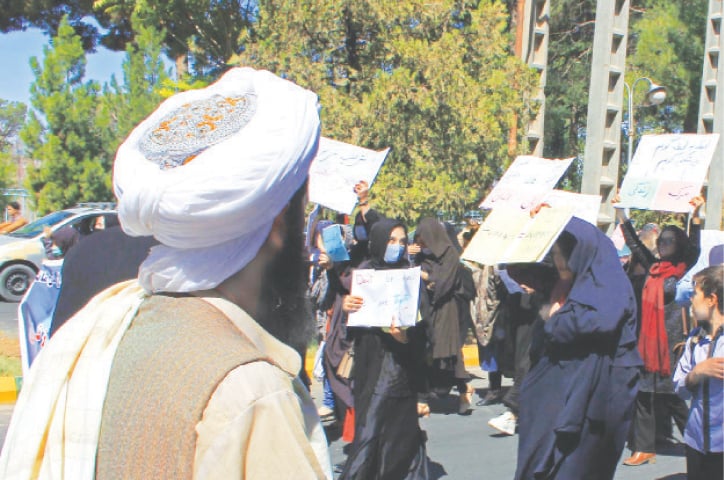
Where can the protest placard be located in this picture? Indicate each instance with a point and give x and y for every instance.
(511, 236)
(334, 244)
(35, 311)
(337, 168)
(585, 207)
(386, 294)
(667, 171)
(526, 182)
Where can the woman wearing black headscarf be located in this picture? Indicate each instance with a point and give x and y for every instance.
(576, 402)
(387, 373)
(339, 277)
(661, 328)
(445, 308)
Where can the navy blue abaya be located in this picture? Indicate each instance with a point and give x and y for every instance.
(577, 400)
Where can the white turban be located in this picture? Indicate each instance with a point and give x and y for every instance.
(209, 170)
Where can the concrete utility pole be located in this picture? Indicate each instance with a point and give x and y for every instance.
(711, 110)
(534, 51)
(605, 100)
(531, 45)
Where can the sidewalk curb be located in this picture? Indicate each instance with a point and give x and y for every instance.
(9, 388)
(470, 354)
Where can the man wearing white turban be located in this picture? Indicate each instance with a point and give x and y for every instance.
(191, 371)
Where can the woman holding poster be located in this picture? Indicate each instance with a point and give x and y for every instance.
(662, 327)
(576, 401)
(387, 375)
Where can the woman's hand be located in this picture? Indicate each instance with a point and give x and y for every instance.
(397, 333)
(620, 212)
(324, 261)
(696, 202)
(351, 303)
(413, 249)
(425, 276)
(536, 210)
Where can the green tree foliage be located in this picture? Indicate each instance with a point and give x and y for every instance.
(8, 171)
(143, 75)
(436, 81)
(667, 45)
(569, 74)
(205, 33)
(12, 118)
(48, 14)
(69, 131)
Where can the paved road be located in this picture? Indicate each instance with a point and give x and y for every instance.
(465, 448)
(460, 447)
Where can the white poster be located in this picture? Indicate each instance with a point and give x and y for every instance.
(337, 168)
(387, 295)
(667, 171)
(585, 207)
(526, 182)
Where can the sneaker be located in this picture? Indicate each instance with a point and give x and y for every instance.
(504, 423)
(325, 412)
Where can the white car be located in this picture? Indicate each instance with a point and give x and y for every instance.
(21, 251)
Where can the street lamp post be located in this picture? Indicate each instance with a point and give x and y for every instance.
(655, 96)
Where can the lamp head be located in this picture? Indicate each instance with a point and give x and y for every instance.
(656, 94)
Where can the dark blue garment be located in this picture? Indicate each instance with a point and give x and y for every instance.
(577, 400)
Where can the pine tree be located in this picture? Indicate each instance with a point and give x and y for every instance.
(143, 78)
(12, 118)
(68, 132)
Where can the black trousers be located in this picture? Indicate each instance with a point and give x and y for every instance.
(523, 340)
(648, 406)
(703, 466)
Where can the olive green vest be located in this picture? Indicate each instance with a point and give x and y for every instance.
(168, 364)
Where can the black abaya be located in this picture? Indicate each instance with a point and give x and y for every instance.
(388, 442)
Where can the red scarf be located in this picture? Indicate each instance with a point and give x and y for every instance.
(653, 341)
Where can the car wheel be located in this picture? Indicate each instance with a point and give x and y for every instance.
(15, 281)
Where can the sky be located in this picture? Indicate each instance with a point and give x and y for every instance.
(16, 48)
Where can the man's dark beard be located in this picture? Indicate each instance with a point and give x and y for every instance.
(284, 309)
